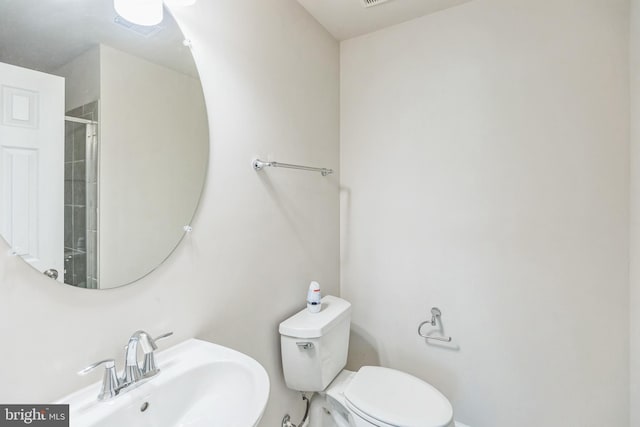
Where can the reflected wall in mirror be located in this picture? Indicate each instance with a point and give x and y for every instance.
(103, 140)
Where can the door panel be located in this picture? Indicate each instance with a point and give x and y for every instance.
(32, 165)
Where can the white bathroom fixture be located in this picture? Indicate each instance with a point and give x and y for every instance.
(141, 12)
(200, 384)
(314, 354)
(146, 12)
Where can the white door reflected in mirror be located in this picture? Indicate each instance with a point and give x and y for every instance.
(32, 165)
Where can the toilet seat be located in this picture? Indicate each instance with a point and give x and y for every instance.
(390, 398)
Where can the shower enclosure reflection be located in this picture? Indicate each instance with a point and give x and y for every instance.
(81, 197)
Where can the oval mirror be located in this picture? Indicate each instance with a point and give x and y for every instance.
(103, 140)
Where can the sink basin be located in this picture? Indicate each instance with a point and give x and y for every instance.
(199, 384)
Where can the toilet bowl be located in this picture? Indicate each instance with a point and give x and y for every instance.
(314, 352)
(383, 397)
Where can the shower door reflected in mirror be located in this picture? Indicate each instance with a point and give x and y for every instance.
(81, 197)
(100, 185)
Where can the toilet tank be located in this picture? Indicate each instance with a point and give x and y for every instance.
(314, 346)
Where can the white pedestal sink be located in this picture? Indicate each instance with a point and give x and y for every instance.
(200, 384)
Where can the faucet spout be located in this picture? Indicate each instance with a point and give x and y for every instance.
(132, 372)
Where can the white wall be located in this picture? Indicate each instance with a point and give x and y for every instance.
(484, 162)
(82, 79)
(634, 279)
(153, 158)
(270, 76)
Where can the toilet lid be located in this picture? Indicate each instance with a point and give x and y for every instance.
(397, 398)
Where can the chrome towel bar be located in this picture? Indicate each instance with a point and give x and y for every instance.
(259, 165)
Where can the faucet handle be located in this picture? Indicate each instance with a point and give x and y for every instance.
(163, 336)
(149, 367)
(110, 383)
(109, 363)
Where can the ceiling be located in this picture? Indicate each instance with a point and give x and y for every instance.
(46, 34)
(345, 19)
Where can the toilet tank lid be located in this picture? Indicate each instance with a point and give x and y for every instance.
(314, 325)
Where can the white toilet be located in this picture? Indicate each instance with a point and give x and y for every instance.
(314, 353)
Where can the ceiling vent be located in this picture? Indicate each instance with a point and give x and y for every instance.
(371, 3)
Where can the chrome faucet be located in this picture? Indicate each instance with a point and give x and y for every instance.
(132, 371)
(112, 385)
